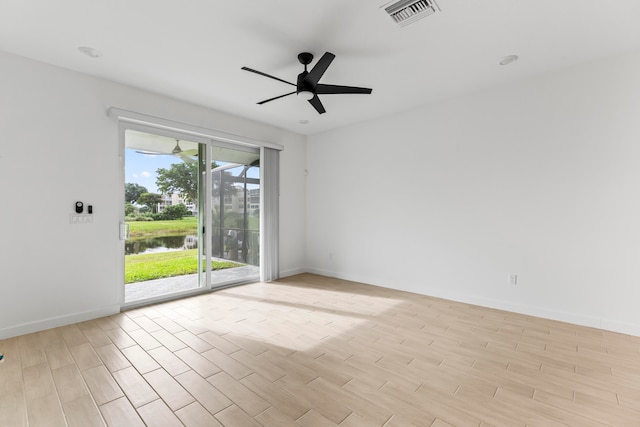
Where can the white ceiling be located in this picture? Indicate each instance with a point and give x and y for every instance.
(194, 49)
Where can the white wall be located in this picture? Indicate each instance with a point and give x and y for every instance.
(57, 145)
(541, 179)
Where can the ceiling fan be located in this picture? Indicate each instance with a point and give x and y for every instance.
(307, 86)
(185, 155)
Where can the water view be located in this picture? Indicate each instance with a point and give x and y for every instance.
(148, 245)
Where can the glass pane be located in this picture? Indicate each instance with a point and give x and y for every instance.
(161, 207)
(235, 216)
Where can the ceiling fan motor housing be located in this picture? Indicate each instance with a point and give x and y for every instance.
(302, 85)
(305, 58)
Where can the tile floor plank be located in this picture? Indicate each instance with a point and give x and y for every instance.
(194, 415)
(168, 340)
(246, 399)
(169, 361)
(120, 338)
(13, 409)
(174, 395)
(140, 359)
(112, 357)
(234, 416)
(85, 356)
(274, 417)
(135, 387)
(45, 411)
(157, 413)
(197, 362)
(83, 412)
(193, 341)
(69, 383)
(208, 396)
(120, 413)
(102, 385)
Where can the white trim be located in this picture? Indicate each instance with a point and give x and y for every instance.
(173, 126)
(293, 272)
(54, 322)
(529, 310)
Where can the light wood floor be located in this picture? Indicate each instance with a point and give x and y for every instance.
(312, 351)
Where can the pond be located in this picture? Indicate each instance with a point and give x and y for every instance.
(147, 245)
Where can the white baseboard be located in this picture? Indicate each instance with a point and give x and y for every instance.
(568, 317)
(622, 327)
(54, 322)
(293, 272)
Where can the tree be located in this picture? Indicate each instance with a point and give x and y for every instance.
(132, 191)
(150, 200)
(180, 178)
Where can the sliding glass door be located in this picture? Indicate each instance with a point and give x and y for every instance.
(191, 217)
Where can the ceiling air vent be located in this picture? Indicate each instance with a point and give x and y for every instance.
(404, 12)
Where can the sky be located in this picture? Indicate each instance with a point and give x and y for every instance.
(141, 168)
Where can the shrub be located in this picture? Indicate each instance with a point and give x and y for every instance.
(174, 212)
(132, 218)
(129, 209)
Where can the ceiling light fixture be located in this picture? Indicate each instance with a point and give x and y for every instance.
(90, 52)
(306, 94)
(508, 59)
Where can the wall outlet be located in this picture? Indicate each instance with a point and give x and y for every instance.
(513, 279)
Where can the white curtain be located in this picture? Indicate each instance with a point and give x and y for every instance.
(270, 229)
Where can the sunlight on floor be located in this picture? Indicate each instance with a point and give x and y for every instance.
(284, 321)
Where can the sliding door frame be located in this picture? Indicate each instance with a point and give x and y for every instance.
(204, 144)
(209, 137)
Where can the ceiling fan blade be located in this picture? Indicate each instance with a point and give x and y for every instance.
(335, 89)
(152, 153)
(315, 101)
(193, 152)
(318, 70)
(266, 75)
(277, 97)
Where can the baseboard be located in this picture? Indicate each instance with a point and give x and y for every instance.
(576, 319)
(622, 327)
(293, 272)
(568, 317)
(54, 322)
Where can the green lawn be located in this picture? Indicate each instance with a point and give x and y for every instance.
(187, 225)
(142, 267)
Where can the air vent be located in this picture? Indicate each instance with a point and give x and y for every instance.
(405, 12)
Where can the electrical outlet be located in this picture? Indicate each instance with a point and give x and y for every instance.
(513, 279)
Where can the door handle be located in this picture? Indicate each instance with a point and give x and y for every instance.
(124, 231)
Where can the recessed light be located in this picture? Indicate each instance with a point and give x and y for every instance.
(303, 122)
(508, 59)
(90, 52)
